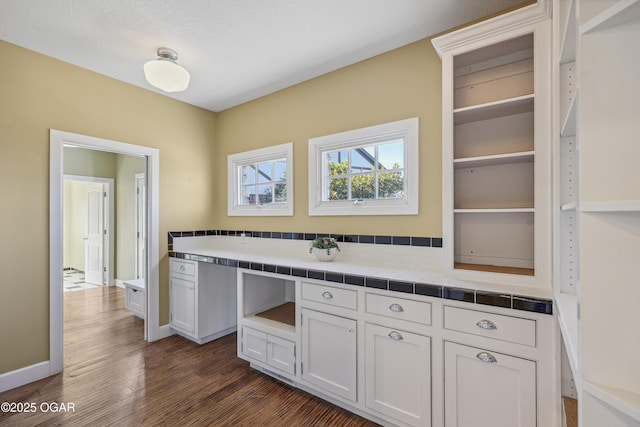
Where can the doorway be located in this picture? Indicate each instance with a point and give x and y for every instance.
(58, 140)
(88, 232)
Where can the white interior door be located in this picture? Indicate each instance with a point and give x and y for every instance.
(140, 225)
(94, 243)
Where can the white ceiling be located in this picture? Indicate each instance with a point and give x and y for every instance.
(235, 50)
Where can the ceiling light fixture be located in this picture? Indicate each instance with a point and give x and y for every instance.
(165, 73)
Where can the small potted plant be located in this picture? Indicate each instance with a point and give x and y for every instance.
(324, 248)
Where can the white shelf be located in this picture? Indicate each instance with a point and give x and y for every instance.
(568, 47)
(567, 310)
(492, 110)
(624, 401)
(622, 12)
(611, 206)
(569, 122)
(505, 210)
(261, 323)
(571, 206)
(494, 160)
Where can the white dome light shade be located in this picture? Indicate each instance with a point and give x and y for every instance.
(165, 74)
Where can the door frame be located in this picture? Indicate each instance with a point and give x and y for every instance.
(109, 249)
(138, 230)
(57, 140)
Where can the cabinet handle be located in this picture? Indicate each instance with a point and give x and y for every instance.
(486, 357)
(396, 308)
(182, 268)
(327, 295)
(395, 335)
(486, 324)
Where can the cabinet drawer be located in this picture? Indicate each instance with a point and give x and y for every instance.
(504, 328)
(183, 267)
(328, 295)
(399, 308)
(135, 301)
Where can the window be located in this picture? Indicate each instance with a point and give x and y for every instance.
(369, 171)
(259, 182)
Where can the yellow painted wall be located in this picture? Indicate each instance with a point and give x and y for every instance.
(39, 93)
(397, 85)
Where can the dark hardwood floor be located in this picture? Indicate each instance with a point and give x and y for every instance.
(112, 377)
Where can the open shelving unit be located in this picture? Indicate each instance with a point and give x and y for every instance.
(597, 210)
(496, 151)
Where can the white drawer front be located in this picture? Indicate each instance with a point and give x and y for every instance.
(399, 308)
(183, 267)
(504, 328)
(135, 300)
(345, 298)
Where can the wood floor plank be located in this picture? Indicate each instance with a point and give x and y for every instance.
(114, 378)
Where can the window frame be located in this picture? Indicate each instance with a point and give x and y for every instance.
(407, 130)
(235, 162)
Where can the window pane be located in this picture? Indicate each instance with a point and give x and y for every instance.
(362, 159)
(280, 167)
(248, 174)
(337, 161)
(248, 195)
(264, 194)
(281, 192)
(390, 185)
(264, 172)
(338, 189)
(391, 156)
(363, 186)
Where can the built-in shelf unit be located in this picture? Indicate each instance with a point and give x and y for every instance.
(497, 149)
(597, 208)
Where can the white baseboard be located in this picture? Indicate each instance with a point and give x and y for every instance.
(163, 332)
(120, 283)
(22, 376)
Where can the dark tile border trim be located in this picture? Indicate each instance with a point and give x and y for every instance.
(433, 242)
(516, 302)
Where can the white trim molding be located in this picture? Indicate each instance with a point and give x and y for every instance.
(58, 139)
(22, 376)
(234, 167)
(406, 130)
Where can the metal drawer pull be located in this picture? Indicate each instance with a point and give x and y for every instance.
(182, 268)
(486, 357)
(396, 308)
(327, 295)
(395, 335)
(486, 324)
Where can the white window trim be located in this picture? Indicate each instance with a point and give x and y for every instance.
(405, 129)
(235, 161)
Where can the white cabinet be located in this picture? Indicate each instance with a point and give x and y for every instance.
(487, 389)
(267, 320)
(398, 374)
(202, 300)
(269, 349)
(135, 297)
(329, 353)
(183, 305)
(496, 148)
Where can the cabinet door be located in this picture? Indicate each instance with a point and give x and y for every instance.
(329, 353)
(281, 354)
(254, 344)
(183, 305)
(488, 389)
(398, 374)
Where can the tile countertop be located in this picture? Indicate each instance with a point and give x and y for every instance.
(398, 263)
